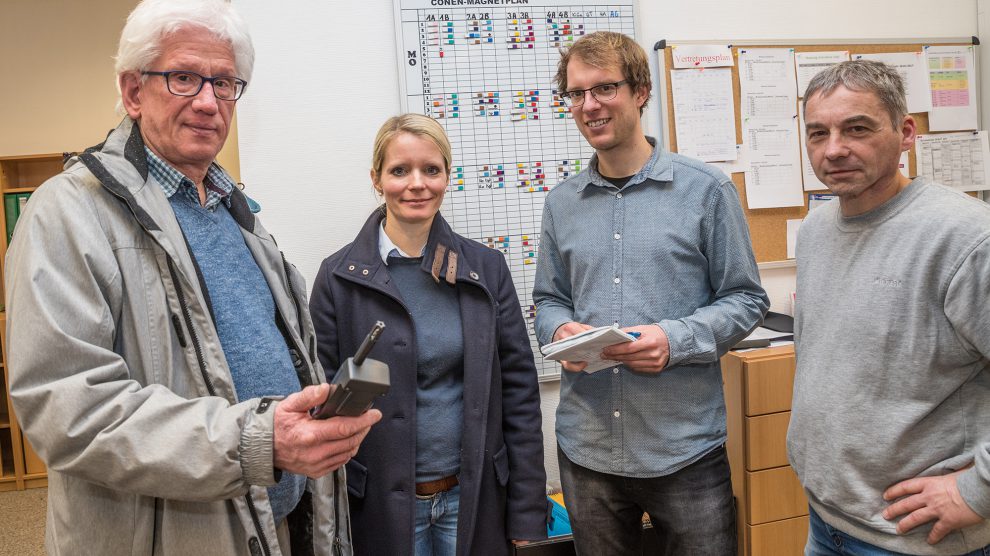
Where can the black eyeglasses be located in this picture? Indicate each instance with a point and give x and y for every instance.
(189, 84)
(605, 91)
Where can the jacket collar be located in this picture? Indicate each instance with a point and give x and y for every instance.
(658, 168)
(442, 257)
(132, 149)
(121, 164)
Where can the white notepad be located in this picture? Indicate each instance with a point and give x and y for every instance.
(587, 346)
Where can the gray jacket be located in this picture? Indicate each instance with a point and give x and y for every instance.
(120, 382)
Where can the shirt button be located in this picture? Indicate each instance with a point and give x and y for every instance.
(615, 370)
(617, 235)
(618, 195)
(617, 280)
(617, 413)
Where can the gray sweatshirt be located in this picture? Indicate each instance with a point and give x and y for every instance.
(893, 360)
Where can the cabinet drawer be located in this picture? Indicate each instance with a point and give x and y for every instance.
(768, 386)
(779, 538)
(766, 441)
(774, 494)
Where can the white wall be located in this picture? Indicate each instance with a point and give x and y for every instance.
(326, 78)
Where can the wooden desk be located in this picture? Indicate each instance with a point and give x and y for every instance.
(772, 511)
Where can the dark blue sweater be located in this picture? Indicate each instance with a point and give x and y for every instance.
(436, 315)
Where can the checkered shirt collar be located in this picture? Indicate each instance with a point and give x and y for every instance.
(218, 183)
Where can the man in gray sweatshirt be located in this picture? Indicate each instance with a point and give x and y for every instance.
(890, 429)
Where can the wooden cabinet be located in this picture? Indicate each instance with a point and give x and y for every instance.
(772, 511)
(20, 467)
(13, 471)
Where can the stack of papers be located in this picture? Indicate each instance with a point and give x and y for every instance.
(762, 333)
(764, 337)
(587, 346)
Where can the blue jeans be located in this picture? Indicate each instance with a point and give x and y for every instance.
(436, 523)
(691, 510)
(825, 540)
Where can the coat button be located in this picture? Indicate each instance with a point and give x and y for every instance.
(351, 268)
(473, 275)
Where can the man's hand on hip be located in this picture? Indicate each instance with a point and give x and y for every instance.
(925, 499)
(314, 447)
(567, 330)
(647, 354)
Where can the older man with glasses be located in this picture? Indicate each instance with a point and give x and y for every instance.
(161, 354)
(655, 243)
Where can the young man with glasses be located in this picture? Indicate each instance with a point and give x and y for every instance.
(655, 243)
(160, 346)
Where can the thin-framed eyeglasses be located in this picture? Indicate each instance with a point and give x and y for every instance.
(603, 92)
(189, 84)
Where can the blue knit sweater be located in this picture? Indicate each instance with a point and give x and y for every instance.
(436, 314)
(244, 311)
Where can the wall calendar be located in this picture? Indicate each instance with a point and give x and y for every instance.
(484, 70)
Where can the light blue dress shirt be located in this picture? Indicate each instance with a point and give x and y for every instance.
(672, 248)
(387, 248)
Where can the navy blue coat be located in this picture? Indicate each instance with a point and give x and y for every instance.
(502, 477)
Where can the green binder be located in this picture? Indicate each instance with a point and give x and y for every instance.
(10, 212)
(13, 205)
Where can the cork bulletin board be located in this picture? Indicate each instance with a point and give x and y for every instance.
(768, 227)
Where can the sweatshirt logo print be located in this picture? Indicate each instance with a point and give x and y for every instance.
(887, 282)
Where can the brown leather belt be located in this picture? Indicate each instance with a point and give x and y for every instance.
(429, 488)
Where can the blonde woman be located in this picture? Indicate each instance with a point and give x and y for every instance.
(456, 464)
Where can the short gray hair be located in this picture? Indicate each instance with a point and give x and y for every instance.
(154, 20)
(864, 76)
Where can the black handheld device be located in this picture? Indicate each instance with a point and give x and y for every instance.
(358, 381)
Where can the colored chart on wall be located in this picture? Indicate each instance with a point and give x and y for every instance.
(484, 69)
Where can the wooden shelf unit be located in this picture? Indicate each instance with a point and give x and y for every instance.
(11, 452)
(8, 435)
(28, 172)
(6, 455)
(21, 467)
(772, 511)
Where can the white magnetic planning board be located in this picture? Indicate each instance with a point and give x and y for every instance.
(484, 69)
